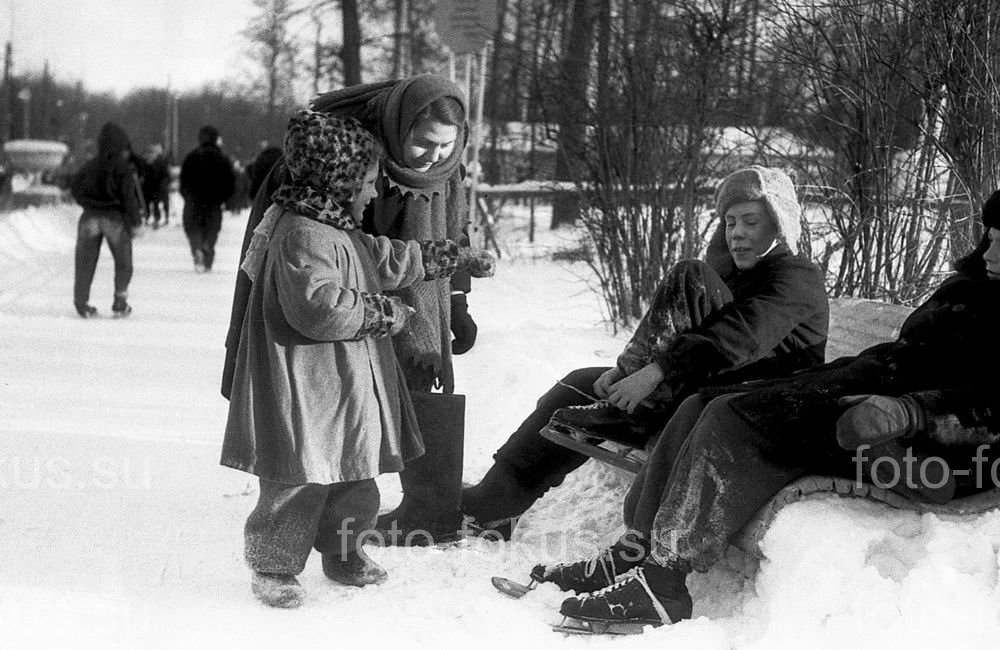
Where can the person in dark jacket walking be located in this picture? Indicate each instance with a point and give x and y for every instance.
(107, 188)
(755, 308)
(156, 185)
(720, 459)
(207, 181)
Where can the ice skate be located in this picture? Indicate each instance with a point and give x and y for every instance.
(586, 575)
(625, 607)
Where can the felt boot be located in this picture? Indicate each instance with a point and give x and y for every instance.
(430, 512)
(277, 589)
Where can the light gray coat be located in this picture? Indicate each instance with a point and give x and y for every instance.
(312, 402)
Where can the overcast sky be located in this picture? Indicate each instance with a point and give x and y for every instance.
(119, 45)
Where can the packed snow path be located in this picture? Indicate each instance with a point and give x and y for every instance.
(118, 528)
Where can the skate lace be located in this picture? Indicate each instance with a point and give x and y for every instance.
(611, 588)
(593, 406)
(605, 560)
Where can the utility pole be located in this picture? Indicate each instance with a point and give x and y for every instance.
(6, 96)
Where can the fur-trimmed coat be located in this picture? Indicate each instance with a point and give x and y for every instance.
(313, 399)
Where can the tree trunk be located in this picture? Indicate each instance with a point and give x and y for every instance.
(350, 53)
(575, 63)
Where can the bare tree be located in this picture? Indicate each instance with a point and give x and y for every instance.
(275, 51)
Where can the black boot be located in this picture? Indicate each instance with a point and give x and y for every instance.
(600, 571)
(430, 512)
(653, 595)
(499, 499)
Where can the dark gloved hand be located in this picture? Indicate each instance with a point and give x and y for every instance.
(875, 419)
(462, 325)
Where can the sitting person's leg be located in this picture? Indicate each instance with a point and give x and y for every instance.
(691, 291)
(722, 475)
(527, 464)
(641, 505)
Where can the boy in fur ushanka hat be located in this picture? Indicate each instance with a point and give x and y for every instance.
(753, 308)
(319, 406)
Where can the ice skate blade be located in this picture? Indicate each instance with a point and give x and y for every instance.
(568, 437)
(510, 588)
(572, 625)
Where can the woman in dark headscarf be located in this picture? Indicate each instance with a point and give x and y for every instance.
(420, 122)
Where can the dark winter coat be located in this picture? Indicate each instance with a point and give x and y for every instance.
(313, 400)
(257, 170)
(156, 179)
(106, 185)
(776, 323)
(207, 177)
(946, 344)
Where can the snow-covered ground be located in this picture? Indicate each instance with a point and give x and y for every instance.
(118, 528)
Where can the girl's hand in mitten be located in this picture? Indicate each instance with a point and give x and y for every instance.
(401, 313)
(479, 263)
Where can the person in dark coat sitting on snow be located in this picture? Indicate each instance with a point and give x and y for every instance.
(912, 414)
(755, 308)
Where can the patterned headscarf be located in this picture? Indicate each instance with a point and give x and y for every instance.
(327, 158)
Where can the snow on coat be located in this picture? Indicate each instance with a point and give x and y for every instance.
(312, 402)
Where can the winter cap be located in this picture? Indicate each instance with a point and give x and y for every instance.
(208, 134)
(772, 186)
(327, 158)
(991, 211)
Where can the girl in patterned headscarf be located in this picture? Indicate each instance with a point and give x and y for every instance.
(319, 407)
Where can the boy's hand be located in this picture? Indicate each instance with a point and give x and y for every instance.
(629, 392)
(603, 384)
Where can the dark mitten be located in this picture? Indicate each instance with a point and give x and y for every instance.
(875, 419)
(478, 263)
(462, 325)
(440, 258)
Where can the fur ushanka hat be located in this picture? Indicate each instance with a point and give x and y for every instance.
(991, 211)
(772, 186)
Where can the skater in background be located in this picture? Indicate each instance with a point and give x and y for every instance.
(727, 451)
(107, 188)
(319, 406)
(420, 122)
(207, 181)
(156, 185)
(755, 308)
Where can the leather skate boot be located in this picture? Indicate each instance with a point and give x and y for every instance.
(602, 420)
(653, 595)
(598, 572)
